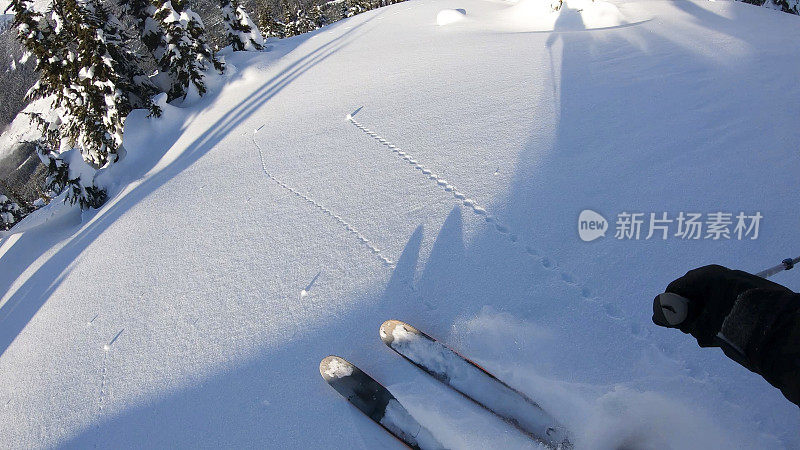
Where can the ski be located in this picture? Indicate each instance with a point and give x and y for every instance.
(376, 402)
(474, 382)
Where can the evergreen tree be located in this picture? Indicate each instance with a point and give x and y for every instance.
(60, 178)
(10, 213)
(297, 20)
(183, 53)
(38, 36)
(357, 7)
(102, 84)
(92, 76)
(317, 17)
(268, 25)
(52, 44)
(289, 19)
(139, 10)
(241, 32)
(129, 56)
(790, 6)
(151, 34)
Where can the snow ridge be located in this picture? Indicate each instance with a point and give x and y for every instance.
(352, 230)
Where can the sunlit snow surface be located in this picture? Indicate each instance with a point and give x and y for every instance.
(192, 274)
(448, 16)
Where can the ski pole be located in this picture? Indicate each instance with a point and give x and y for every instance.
(786, 264)
(675, 307)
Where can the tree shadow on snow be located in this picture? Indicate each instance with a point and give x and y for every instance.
(18, 310)
(255, 404)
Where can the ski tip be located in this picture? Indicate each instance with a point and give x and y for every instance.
(388, 334)
(334, 367)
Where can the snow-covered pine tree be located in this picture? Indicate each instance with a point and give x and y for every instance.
(151, 34)
(38, 36)
(289, 21)
(10, 213)
(297, 20)
(92, 76)
(54, 51)
(62, 178)
(357, 7)
(93, 119)
(268, 24)
(127, 53)
(241, 32)
(317, 17)
(790, 6)
(184, 53)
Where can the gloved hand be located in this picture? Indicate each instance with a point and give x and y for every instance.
(709, 294)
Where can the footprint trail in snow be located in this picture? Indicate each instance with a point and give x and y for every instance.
(470, 203)
(608, 308)
(350, 229)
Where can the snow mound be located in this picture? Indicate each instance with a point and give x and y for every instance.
(573, 15)
(626, 418)
(448, 16)
(596, 14)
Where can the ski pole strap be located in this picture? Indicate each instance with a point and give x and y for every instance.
(786, 264)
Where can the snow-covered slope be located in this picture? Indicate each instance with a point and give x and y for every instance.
(258, 231)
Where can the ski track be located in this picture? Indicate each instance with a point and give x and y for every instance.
(350, 229)
(608, 308)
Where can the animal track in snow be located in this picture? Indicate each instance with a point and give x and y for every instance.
(502, 229)
(350, 229)
(104, 370)
(103, 377)
(441, 182)
(611, 310)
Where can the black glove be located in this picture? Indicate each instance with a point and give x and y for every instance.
(711, 292)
